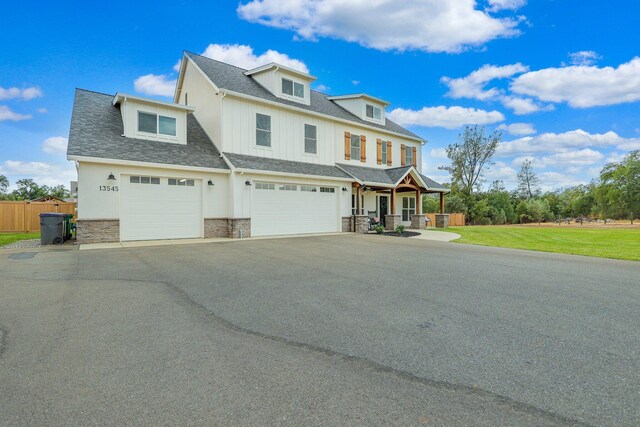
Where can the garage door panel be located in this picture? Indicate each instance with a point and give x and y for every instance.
(160, 211)
(279, 212)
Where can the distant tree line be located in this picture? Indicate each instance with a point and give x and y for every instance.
(615, 194)
(28, 189)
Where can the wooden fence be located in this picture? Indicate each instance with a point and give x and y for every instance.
(24, 217)
(455, 219)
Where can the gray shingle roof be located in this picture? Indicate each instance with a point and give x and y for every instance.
(232, 78)
(384, 176)
(96, 129)
(242, 161)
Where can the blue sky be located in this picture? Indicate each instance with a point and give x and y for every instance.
(560, 78)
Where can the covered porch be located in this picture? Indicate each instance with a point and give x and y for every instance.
(393, 197)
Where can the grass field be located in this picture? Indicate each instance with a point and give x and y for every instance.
(6, 238)
(618, 243)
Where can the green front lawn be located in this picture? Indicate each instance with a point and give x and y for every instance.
(619, 243)
(6, 238)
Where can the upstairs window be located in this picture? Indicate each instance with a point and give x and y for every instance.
(355, 147)
(408, 156)
(310, 139)
(263, 130)
(291, 88)
(157, 124)
(383, 156)
(374, 112)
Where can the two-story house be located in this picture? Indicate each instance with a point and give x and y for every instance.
(241, 153)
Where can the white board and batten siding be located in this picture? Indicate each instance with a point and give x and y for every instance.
(280, 209)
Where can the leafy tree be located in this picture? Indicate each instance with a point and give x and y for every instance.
(619, 190)
(60, 191)
(454, 204)
(479, 213)
(527, 181)
(430, 204)
(4, 184)
(28, 189)
(469, 157)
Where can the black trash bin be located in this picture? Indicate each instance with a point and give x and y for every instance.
(55, 228)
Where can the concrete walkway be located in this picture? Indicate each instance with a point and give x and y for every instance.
(440, 236)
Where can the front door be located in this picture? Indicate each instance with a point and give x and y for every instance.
(383, 209)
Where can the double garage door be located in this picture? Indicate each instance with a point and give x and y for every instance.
(154, 208)
(279, 209)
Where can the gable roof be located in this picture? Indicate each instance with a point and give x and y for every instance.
(97, 129)
(243, 161)
(389, 177)
(232, 78)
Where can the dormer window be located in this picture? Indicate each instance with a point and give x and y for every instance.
(291, 88)
(156, 124)
(373, 112)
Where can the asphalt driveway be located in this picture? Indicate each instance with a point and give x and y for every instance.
(321, 330)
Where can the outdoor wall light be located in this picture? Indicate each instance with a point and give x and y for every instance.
(211, 184)
(247, 183)
(111, 177)
(344, 188)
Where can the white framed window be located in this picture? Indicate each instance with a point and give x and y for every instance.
(310, 139)
(265, 186)
(383, 156)
(408, 156)
(408, 208)
(288, 187)
(181, 182)
(327, 190)
(144, 180)
(309, 188)
(263, 130)
(355, 147)
(291, 88)
(373, 112)
(156, 124)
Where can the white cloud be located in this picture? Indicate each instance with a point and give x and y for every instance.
(55, 145)
(322, 88)
(43, 110)
(496, 5)
(518, 128)
(554, 180)
(428, 25)
(583, 86)
(502, 172)
(438, 153)
(522, 106)
(42, 172)
(154, 84)
(7, 115)
(355, 82)
(563, 142)
(472, 86)
(242, 56)
(584, 57)
(446, 117)
(24, 94)
(584, 157)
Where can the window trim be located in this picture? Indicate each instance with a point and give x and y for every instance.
(408, 155)
(374, 108)
(383, 153)
(409, 210)
(157, 132)
(294, 84)
(267, 131)
(352, 147)
(315, 140)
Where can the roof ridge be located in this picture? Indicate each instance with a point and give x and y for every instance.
(93, 91)
(216, 60)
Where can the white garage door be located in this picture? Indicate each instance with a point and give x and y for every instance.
(293, 209)
(154, 208)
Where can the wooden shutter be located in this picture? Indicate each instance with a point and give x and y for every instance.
(379, 151)
(347, 146)
(363, 148)
(414, 156)
(389, 161)
(403, 158)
